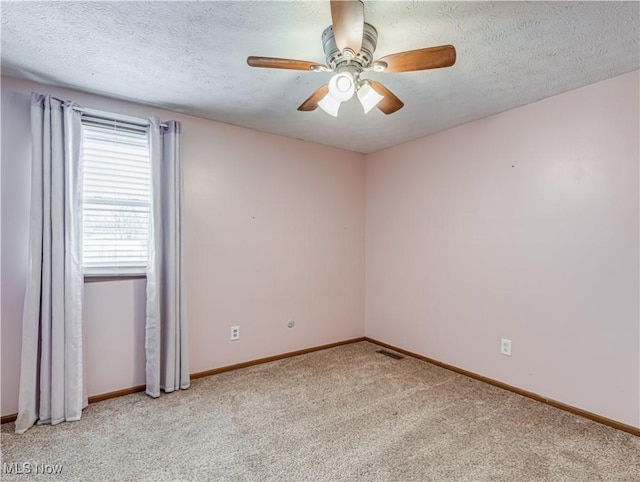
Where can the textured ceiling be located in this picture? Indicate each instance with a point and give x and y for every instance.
(191, 57)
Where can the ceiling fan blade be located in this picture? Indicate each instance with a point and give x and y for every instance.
(275, 63)
(390, 103)
(347, 17)
(312, 102)
(421, 59)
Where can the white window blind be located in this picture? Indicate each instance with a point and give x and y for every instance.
(116, 197)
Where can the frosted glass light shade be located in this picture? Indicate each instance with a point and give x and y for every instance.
(368, 97)
(342, 86)
(330, 105)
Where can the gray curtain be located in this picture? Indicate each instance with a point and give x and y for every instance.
(51, 371)
(166, 343)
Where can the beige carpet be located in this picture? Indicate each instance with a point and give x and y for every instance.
(347, 413)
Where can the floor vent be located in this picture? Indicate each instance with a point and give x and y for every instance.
(390, 354)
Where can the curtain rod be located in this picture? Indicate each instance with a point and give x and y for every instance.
(111, 116)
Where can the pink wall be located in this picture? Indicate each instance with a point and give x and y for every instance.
(274, 231)
(523, 225)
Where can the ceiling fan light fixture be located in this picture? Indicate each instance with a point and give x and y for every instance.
(330, 105)
(349, 45)
(342, 86)
(368, 97)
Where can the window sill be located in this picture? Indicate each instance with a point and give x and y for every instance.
(94, 278)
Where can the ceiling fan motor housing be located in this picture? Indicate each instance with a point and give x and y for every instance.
(336, 59)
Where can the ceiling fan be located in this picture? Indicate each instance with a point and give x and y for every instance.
(349, 45)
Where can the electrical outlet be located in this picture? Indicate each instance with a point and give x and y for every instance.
(235, 333)
(505, 347)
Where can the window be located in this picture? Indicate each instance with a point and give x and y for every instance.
(116, 197)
